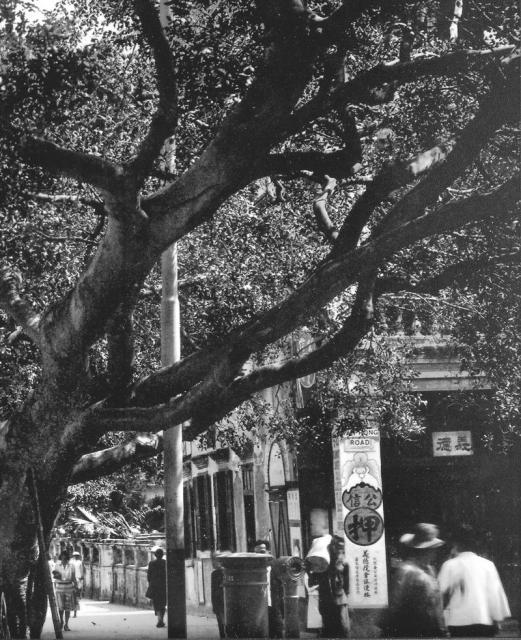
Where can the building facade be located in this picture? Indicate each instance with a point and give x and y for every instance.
(445, 476)
(368, 487)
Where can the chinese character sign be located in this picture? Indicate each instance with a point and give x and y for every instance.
(360, 508)
(452, 443)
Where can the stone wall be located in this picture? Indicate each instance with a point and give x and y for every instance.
(116, 570)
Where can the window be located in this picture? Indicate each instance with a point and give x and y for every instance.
(189, 518)
(203, 513)
(279, 523)
(249, 505)
(225, 516)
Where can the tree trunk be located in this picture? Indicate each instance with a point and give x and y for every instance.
(45, 437)
(37, 602)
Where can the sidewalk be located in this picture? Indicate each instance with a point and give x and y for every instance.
(103, 621)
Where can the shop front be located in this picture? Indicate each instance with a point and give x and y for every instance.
(447, 476)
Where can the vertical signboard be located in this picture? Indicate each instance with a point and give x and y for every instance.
(359, 508)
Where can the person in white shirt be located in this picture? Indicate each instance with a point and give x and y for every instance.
(64, 585)
(77, 563)
(473, 596)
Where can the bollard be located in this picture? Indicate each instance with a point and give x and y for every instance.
(290, 570)
(245, 595)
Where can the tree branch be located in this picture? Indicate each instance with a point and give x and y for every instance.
(210, 397)
(497, 108)
(19, 310)
(177, 378)
(337, 164)
(65, 198)
(320, 210)
(448, 218)
(164, 121)
(85, 167)
(342, 343)
(464, 270)
(395, 175)
(102, 463)
(378, 84)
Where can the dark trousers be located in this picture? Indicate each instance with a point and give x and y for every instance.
(335, 621)
(275, 622)
(474, 631)
(220, 624)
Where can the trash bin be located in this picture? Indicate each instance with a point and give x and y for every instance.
(246, 595)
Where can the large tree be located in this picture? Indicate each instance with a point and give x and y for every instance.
(404, 125)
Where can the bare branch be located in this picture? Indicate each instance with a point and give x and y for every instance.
(85, 167)
(18, 309)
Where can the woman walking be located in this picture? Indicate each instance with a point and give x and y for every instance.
(65, 585)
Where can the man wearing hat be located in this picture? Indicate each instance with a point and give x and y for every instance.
(156, 576)
(415, 608)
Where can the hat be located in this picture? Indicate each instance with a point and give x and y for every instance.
(425, 536)
(76, 553)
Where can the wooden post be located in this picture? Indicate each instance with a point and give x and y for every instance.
(33, 489)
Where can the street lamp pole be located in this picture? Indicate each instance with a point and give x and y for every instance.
(173, 455)
(173, 436)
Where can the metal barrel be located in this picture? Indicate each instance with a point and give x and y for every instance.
(246, 595)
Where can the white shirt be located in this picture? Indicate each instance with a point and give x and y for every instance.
(476, 595)
(78, 568)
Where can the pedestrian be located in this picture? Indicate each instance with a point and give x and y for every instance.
(217, 590)
(333, 589)
(65, 586)
(415, 607)
(77, 562)
(275, 594)
(473, 596)
(156, 576)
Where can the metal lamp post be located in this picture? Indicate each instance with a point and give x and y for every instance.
(173, 436)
